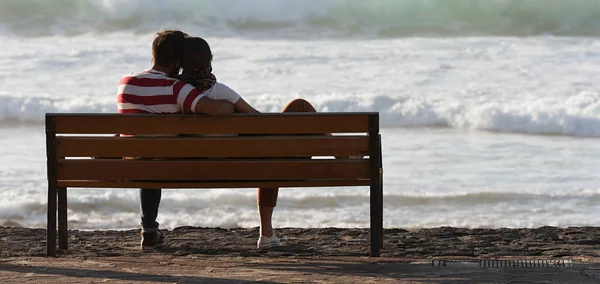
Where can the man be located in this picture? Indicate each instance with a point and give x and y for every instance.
(155, 91)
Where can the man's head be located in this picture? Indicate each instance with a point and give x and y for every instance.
(167, 50)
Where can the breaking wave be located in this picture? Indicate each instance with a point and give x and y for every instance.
(577, 115)
(306, 18)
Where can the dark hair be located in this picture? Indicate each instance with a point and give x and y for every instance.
(196, 54)
(167, 47)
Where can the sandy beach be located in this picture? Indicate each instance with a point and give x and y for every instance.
(326, 255)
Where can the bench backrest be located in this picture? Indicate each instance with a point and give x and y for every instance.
(178, 151)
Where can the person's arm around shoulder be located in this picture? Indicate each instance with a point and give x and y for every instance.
(223, 91)
(242, 106)
(214, 107)
(192, 100)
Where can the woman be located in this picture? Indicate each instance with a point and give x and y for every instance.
(197, 70)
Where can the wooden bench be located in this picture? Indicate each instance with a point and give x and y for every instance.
(268, 152)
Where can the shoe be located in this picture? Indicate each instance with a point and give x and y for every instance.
(267, 242)
(151, 240)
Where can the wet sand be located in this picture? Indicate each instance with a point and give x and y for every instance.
(327, 255)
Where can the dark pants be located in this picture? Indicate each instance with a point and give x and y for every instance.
(150, 201)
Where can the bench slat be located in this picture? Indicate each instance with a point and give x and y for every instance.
(143, 170)
(211, 184)
(265, 146)
(287, 123)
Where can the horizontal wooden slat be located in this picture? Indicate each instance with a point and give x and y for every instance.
(264, 146)
(143, 170)
(211, 184)
(281, 123)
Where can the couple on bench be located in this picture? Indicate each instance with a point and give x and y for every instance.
(163, 89)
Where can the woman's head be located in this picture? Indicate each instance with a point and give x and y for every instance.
(196, 55)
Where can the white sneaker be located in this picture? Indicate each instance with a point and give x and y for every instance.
(267, 242)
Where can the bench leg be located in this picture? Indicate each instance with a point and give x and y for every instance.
(381, 214)
(62, 218)
(51, 222)
(376, 235)
(376, 192)
(380, 192)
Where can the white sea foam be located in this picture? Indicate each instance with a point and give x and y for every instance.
(32, 109)
(227, 209)
(492, 84)
(577, 115)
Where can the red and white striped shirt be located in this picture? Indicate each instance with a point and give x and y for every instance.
(153, 91)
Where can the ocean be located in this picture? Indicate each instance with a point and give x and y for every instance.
(490, 109)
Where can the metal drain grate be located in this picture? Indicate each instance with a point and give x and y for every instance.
(530, 263)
